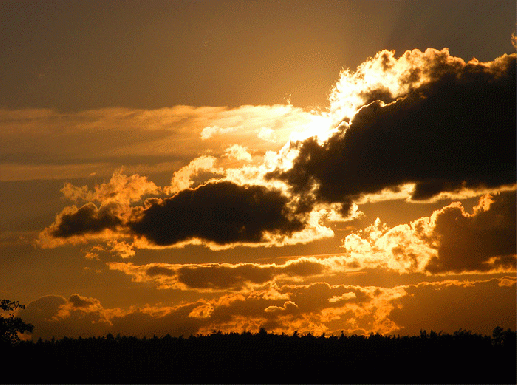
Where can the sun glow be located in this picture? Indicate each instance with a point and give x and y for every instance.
(319, 127)
(384, 78)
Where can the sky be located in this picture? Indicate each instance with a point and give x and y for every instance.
(319, 166)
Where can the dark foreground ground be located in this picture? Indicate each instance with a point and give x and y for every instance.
(461, 357)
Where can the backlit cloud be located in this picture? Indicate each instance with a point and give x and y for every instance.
(121, 189)
(316, 308)
(428, 118)
(222, 276)
(450, 240)
(143, 141)
(448, 306)
(410, 129)
(217, 212)
(479, 241)
(231, 166)
(75, 225)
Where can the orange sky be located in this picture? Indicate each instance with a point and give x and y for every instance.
(182, 167)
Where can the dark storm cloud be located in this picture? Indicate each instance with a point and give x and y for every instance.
(87, 219)
(217, 212)
(454, 131)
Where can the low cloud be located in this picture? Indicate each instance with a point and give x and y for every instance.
(420, 125)
(302, 308)
(451, 305)
(218, 213)
(56, 316)
(480, 241)
(121, 189)
(183, 178)
(316, 308)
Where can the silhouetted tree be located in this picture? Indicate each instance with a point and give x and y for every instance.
(10, 325)
(500, 337)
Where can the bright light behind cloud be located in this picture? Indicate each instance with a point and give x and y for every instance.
(244, 180)
(383, 77)
(320, 126)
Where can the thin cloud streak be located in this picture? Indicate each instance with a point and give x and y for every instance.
(160, 140)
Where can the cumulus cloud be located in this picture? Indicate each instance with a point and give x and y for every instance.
(419, 125)
(121, 189)
(480, 241)
(450, 240)
(104, 215)
(86, 219)
(427, 118)
(238, 152)
(217, 212)
(182, 179)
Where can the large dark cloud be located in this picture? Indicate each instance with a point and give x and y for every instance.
(218, 212)
(457, 130)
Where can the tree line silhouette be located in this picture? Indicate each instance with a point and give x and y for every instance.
(461, 357)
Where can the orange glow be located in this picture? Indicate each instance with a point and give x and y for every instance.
(204, 185)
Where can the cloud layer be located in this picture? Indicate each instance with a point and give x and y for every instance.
(316, 308)
(223, 276)
(76, 144)
(423, 127)
(422, 124)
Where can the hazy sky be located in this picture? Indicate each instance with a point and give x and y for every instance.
(325, 166)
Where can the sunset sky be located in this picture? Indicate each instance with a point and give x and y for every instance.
(315, 166)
